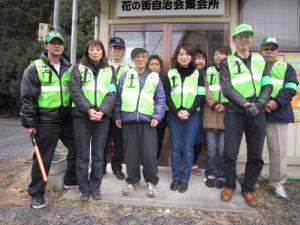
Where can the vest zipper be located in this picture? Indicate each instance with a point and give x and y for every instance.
(181, 99)
(61, 94)
(60, 87)
(252, 81)
(95, 93)
(138, 101)
(219, 98)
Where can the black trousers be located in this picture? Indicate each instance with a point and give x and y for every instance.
(116, 136)
(161, 128)
(140, 141)
(235, 125)
(90, 139)
(47, 137)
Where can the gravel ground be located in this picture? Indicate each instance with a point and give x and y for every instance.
(14, 206)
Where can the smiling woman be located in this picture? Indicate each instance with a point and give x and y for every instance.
(93, 92)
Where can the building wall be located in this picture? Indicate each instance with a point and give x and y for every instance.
(231, 16)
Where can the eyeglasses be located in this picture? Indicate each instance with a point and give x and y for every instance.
(241, 36)
(269, 49)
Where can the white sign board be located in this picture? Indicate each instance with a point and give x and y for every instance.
(140, 8)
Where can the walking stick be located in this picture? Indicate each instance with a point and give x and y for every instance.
(39, 158)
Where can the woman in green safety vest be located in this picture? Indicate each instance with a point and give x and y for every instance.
(214, 111)
(93, 91)
(185, 91)
(200, 63)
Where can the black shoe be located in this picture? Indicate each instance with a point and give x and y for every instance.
(96, 195)
(220, 184)
(119, 174)
(175, 185)
(183, 187)
(37, 202)
(210, 181)
(84, 196)
(69, 186)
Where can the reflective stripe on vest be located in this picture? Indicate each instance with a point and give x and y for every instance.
(54, 89)
(135, 99)
(277, 76)
(213, 81)
(184, 94)
(243, 82)
(95, 90)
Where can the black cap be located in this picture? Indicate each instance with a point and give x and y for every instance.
(116, 41)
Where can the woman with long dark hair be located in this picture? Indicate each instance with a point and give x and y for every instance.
(184, 93)
(155, 64)
(93, 92)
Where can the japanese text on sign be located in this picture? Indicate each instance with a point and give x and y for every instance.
(169, 7)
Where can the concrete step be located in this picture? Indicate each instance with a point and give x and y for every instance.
(198, 195)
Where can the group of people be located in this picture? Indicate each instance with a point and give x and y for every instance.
(99, 101)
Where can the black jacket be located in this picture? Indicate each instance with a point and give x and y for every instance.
(30, 113)
(82, 103)
(284, 112)
(237, 101)
(199, 100)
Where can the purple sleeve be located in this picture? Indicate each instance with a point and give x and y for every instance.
(160, 102)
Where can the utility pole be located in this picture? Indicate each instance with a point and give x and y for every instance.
(96, 12)
(74, 31)
(56, 16)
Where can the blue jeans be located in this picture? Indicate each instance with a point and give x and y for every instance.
(183, 135)
(215, 150)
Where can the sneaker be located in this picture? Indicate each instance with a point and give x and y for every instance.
(130, 188)
(119, 174)
(151, 190)
(84, 196)
(96, 195)
(196, 170)
(280, 191)
(220, 183)
(174, 185)
(210, 181)
(183, 187)
(37, 202)
(69, 186)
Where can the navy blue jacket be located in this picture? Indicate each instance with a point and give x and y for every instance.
(284, 112)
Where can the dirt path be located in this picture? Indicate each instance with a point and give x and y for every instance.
(14, 207)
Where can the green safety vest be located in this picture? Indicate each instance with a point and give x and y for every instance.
(121, 70)
(96, 90)
(184, 94)
(136, 99)
(213, 81)
(277, 77)
(248, 83)
(54, 89)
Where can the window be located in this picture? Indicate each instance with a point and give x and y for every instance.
(162, 39)
(151, 40)
(276, 18)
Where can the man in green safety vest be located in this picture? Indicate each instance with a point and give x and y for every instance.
(278, 113)
(246, 83)
(46, 112)
(139, 107)
(117, 52)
